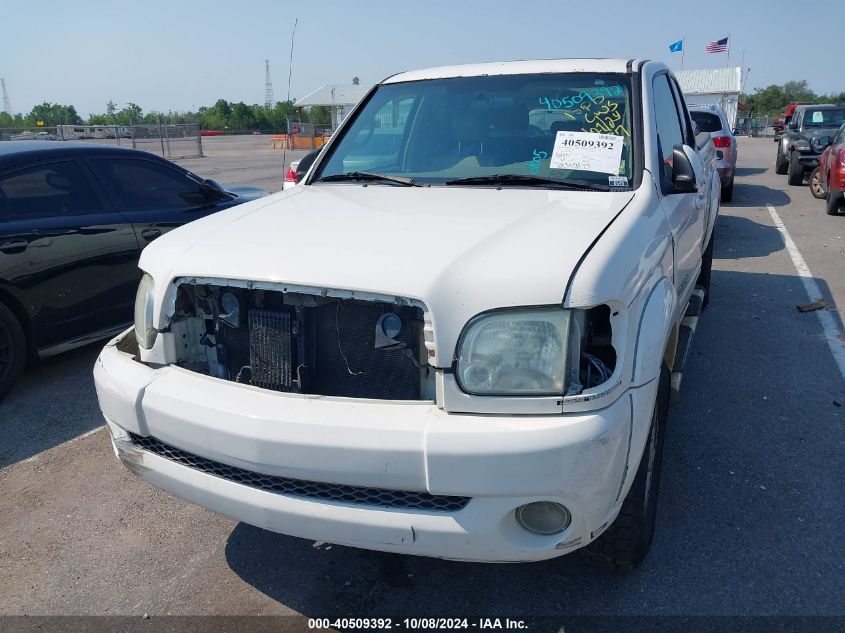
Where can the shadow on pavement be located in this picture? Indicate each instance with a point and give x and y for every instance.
(748, 195)
(31, 423)
(749, 171)
(739, 237)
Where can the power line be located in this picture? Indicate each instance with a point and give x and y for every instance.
(269, 100)
(7, 105)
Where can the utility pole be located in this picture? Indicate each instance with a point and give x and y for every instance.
(7, 105)
(269, 100)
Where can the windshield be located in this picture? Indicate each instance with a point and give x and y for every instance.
(553, 127)
(829, 117)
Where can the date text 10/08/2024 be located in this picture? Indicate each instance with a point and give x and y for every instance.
(417, 623)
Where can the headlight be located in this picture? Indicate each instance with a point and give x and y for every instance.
(515, 352)
(145, 333)
(802, 146)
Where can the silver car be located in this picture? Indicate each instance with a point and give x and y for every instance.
(711, 118)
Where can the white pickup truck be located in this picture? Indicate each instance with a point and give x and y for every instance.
(456, 338)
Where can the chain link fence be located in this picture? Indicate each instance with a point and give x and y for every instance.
(167, 140)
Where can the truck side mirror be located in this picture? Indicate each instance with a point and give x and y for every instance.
(305, 164)
(686, 169)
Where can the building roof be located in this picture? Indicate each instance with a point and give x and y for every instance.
(334, 95)
(710, 80)
(515, 68)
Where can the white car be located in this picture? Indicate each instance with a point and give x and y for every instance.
(463, 347)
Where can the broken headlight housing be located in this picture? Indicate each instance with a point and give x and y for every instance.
(145, 333)
(519, 352)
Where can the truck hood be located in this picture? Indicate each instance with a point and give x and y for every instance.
(460, 251)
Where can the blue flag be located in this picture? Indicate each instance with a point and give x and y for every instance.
(676, 47)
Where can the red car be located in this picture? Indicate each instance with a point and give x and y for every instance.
(828, 179)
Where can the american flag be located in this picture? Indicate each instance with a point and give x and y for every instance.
(717, 46)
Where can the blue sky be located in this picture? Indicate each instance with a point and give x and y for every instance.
(185, 53)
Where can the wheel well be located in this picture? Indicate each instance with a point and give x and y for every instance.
(20, 313)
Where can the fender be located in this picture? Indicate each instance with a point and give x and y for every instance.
(655, 327)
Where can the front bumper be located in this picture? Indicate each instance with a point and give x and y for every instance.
(583, 461)
(809, 161)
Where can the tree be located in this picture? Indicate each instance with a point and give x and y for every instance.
(52, 114)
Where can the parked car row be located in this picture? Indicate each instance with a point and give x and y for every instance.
(827, 181)
(74, 218)
(811, 144)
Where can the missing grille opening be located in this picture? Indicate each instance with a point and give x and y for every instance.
(303, 343)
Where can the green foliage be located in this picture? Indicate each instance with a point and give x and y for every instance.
(52, 114)
(772, 100)
(223, 115)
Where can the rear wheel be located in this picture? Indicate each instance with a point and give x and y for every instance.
(12, 350)
(626, 542)
(816, 186)
(795, 172)
(728, 191)
(781, 164)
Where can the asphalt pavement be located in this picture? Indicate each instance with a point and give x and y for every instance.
(750, 517)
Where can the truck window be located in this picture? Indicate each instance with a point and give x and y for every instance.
(668, 125)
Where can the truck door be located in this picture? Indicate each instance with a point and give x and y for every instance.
(685, 212)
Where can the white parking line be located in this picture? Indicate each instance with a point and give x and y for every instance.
(835, 338)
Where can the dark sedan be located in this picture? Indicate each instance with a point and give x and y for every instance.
(73, 220)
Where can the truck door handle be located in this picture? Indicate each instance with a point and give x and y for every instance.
(13, 246)
(150, 234)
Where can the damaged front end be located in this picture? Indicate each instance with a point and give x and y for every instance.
(300, 341)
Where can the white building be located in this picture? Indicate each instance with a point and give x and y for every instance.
(341, 98)
(713, 86)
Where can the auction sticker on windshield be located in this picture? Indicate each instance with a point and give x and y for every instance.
(587, 151)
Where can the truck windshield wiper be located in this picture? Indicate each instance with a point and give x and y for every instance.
(366, 176)
(528, 181)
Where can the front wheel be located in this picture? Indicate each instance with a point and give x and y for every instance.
(12, 350)
(832, 203)
(781, 164)
(816, 186)
(626, 542)
(795, 173)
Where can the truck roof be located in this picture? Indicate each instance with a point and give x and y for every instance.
(524, 67)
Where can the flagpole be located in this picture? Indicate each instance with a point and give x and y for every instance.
(728, 60)
(683, 50)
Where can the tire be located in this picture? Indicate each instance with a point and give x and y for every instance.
(728, 192)
(626, 542)
(781, 164)
(832, 204)
(706, 270)
(795, 172)
(12, 350)
(816, 187)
